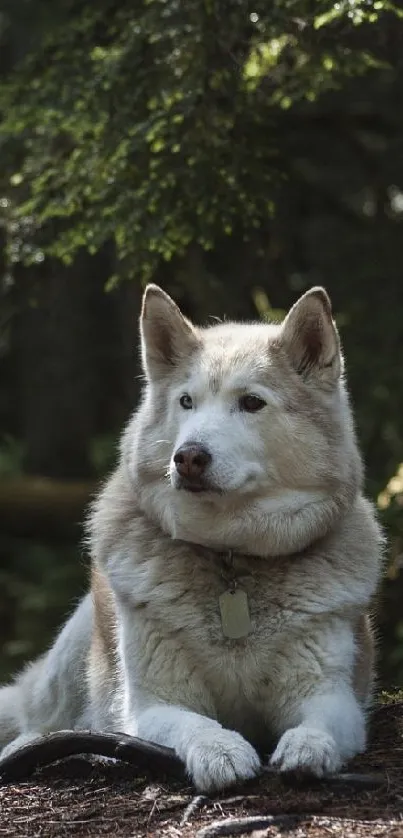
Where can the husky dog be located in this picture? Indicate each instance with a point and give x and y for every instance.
(234, 559)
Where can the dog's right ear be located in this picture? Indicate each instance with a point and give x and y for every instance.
(311, 340)
(167, 337)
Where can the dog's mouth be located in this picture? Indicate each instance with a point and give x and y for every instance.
(196, 487)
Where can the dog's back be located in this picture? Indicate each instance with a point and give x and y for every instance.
(51, 693)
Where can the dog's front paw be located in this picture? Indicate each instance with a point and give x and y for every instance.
(220, 761)
(307, 750)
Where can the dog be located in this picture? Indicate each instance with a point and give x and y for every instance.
(234, 560)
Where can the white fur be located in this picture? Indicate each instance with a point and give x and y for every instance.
(214, 757)
(148, 655)
(50, 694)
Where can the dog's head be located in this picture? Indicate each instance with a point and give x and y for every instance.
(244, 438)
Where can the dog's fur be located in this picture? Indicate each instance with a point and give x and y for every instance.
(145, 652)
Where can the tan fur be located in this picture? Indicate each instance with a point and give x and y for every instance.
(102, 662)
(104, 619)
(364, 668)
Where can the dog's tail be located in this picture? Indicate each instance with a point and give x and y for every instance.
(51, 693)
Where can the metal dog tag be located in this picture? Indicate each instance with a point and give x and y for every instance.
(235, 619)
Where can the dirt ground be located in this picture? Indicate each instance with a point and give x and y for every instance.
(82, 798)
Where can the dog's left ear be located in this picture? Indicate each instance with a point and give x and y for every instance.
(167, 337)
(310, 338)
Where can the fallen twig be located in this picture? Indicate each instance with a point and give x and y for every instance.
(145, 756)
(364, 781)
(192, 807)
(241, 826)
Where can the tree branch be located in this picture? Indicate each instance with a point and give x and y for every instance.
(142, 755)
(145, 756)
(359, 781)
(242, 826)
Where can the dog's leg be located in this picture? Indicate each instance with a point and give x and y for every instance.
(322, 722)
(159, 682)
(331, 731)
(166, 700)
(214, 756)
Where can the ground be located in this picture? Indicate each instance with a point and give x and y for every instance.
(82, 798)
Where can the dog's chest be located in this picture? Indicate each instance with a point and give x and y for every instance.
(220, 610)
(178, 642)
(188, 620)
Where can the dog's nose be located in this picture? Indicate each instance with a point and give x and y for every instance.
(191, 460)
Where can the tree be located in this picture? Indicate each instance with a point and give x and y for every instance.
(160, 124)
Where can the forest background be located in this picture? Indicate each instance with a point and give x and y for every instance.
(236, 153)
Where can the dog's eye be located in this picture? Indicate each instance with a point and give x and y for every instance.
(185, 401)
(251, 403)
